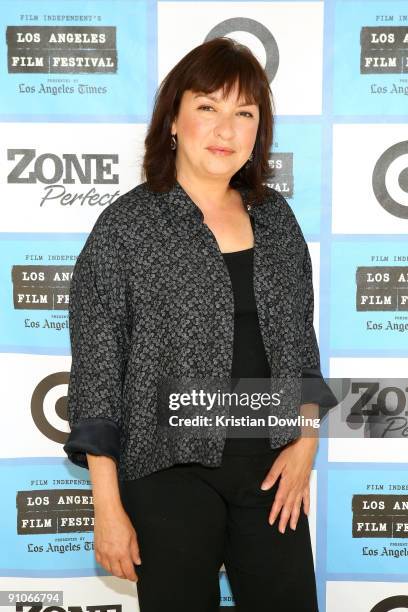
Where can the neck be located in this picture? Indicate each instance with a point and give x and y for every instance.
(209, 193)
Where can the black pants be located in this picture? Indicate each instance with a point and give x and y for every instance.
(190, 519)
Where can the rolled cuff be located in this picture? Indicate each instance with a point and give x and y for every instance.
(316, 390)
(97, 436)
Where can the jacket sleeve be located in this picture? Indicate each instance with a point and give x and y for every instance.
(99, 336)
(314, 387)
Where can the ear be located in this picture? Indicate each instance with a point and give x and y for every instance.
(173, 127)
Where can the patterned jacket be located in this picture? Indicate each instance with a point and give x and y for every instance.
(150, 296)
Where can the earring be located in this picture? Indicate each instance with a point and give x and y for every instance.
(251, 157)
(173, 144)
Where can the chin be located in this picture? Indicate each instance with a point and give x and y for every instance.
(221, 168)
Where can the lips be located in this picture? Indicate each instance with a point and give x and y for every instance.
(221, 149)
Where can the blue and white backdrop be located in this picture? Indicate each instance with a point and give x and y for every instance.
(77, 81)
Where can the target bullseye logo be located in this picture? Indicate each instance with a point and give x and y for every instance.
(396, 602)
(257, 29)
(40, 408)
(390, 180)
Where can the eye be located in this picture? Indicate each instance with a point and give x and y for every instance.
(205, 106)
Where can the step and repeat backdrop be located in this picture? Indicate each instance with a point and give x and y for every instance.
(77, 81)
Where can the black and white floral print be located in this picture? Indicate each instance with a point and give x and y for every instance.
(150, 296)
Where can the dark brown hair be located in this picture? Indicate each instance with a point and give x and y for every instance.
(216, 64)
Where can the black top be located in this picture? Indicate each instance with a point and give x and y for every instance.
(249, 356)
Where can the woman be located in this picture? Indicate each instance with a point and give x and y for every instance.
(201, 271)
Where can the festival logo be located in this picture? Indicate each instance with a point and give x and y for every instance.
(370, 64)
(301, 187)
(48, 516)
(59, 62)
(367, 529)
(369, 295)
(36, 277)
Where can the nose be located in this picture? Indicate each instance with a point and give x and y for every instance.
(224, 127)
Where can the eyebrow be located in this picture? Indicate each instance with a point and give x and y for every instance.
(211, 97)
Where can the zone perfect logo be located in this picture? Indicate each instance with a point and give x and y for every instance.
(68, 168)
(55, 171)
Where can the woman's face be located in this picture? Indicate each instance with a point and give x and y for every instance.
(206, 122)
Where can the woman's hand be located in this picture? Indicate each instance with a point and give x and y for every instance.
(115, 541)
(294, 466)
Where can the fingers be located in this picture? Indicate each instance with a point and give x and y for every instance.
(289, 506)
(121, 565)
(134, 551)
(116, 568)
(294, 516)
(271, 477)
(306, 500)
(104, 561)
(128, 569)
(276, 506)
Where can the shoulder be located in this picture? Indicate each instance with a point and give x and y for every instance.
(134, 206)
(128, 219)
(277, 202)
(281, 213)
(120, 223)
